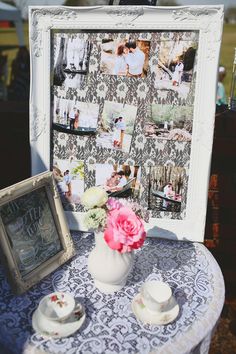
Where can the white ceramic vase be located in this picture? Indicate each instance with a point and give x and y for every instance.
(109, 268)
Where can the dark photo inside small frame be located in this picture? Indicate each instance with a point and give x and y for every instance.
(165, 191)
(35, 238)
(31, 233)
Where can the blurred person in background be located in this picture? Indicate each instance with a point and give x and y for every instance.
(20, 76)
(221, 101)
(3, 76)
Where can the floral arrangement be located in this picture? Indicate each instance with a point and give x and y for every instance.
(120, 220)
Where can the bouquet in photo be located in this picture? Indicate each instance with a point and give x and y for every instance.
(121, 221)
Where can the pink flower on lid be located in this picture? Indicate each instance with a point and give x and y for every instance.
(54, 298)
(125, 230)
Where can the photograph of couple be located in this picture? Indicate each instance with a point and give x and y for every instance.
(71, 60)
(169, 122)
(121, 181)
(69, 175)
(174, 70)
(165, 188)
(72, 116)
(124, 57)
(117, 126)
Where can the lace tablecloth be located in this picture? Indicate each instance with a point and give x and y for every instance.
(110, 326)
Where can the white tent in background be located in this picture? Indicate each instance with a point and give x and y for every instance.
(23, 5)
(11, 13)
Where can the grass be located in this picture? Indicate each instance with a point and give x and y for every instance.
(9, 43)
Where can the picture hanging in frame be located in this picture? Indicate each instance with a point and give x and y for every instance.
(35, 239)
(127, 90)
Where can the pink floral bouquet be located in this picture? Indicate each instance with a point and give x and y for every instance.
(121, 221)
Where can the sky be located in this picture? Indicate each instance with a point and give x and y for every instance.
(226, 3)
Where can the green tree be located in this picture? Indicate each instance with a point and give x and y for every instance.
(162, 113)
(78, 170)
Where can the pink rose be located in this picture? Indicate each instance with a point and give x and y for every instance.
(125, 230)
(113, 203)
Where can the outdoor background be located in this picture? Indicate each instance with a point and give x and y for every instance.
(9, 42)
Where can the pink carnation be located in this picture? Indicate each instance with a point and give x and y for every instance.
(125, 230)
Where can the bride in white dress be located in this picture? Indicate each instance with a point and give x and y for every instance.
(120, 67)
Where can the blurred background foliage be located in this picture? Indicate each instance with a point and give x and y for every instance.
(162, 113)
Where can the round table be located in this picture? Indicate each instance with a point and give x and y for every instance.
(110, 325)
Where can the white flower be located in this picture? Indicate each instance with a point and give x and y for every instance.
(63, 139)
(143, 345)
(102, 90)
(122, 90)
(94, 197)
(82, 93)
(80, 141)
(93, 65)
(179, 146)
(122, 306)
(160, 144)
(149, 162)
(142, 90)
(95, 219)
(140, 142)
(91, 164)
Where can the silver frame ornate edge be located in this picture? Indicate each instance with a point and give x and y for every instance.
(19, 283)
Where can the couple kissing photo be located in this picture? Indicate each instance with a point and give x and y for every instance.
(125, 58)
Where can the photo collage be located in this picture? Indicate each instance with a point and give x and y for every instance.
(122, 116)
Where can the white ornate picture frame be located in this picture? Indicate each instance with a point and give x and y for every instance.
(171, 121)
(35, 239)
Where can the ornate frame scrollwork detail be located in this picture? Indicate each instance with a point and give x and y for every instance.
(38, 123)
(54, 13)
(124, 15)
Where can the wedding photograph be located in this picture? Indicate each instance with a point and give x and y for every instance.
(117, 126)
(126, 57)
(120, 181)
(169, 122)
(174, 69)
(165, 190)
(69, 175)
(71, 60)
(75, 117)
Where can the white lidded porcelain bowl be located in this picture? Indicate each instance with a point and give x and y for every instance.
(156, 295)
(155, 304)
(58, 329)
(56, 306)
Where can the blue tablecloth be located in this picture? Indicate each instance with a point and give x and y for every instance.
(110, 326)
